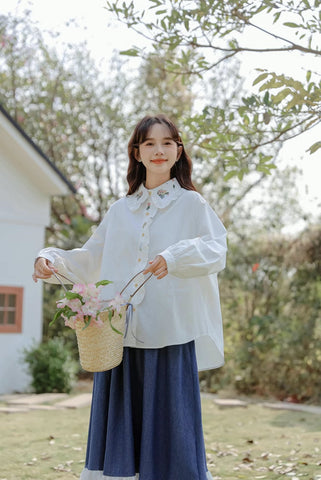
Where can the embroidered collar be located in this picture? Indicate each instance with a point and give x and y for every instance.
(161, 196)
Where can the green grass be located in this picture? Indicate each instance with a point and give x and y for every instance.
(242, 443)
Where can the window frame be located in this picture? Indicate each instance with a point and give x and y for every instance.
(17, 326)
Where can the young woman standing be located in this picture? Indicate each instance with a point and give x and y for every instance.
(146, 413)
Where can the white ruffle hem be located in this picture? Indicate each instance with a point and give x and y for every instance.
(98, 475)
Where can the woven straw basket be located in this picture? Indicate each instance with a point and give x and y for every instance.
(101, 348)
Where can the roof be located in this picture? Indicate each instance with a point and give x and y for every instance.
(37, 149)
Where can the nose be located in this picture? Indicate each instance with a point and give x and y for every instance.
(159, 150)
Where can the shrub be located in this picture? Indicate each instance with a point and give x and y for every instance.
(51, 366)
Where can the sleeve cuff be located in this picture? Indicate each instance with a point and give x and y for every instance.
(47, 256)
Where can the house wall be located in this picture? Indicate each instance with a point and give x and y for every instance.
(24, 213)
(18, 247)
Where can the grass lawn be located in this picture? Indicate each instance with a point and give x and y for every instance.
(242, 443)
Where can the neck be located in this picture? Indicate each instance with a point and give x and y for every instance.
(154, 182)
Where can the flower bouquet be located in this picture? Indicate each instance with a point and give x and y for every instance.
(99, 325)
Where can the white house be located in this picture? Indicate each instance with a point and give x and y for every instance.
(28, 179)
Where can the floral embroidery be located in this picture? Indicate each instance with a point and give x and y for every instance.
(159, 197)
(148, 206)
(162, 193)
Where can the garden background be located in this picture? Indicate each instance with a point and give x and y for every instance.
(193, 61)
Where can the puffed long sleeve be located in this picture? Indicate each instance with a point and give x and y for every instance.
(205, 253)
(80, 265)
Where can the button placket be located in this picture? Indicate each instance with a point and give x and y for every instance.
(143, 247)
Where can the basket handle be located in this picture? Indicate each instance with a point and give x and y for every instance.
(58, 275)
(140, 286)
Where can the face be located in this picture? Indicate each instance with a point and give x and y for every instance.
(158, 153)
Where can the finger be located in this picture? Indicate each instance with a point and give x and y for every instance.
(162, 275)
(160, 270)
(150, 269)
(43, 269)
(156, 264)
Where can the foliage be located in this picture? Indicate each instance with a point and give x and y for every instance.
(51, 366)
(67, 108)
(271, 302)
(204, 35)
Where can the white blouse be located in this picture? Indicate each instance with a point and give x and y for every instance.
(183, 306)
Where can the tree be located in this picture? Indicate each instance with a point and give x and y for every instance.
(205, 35)
(70, 111)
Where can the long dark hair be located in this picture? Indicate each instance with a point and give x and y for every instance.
(136, 173)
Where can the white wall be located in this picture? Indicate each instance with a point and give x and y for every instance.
(27, 182)
(21, 200)
(18, 247)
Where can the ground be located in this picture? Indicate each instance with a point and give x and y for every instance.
(244, 440)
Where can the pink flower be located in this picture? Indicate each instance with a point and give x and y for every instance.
(86, 309)
(62, 303)
(75, 305)
(79, 288)
(117, 302)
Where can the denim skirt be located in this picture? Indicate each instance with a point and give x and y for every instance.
(145, 421)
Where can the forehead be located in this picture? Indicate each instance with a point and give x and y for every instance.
(158, 131)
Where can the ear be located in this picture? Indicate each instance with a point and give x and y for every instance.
(179, 152)
(137, 154)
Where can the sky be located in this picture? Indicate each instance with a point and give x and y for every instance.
(103, 35)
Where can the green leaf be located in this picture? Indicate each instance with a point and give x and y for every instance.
(314, 147)
(291, 25)
(276, 17)
(103, 282)
(131, 52)
(115, 329)
(266, 118)
(260, 78)
(69, 313)
(72, 295)
(231, 174)
(308, 76)
(281, 96)
(266, 98)
(56, 316)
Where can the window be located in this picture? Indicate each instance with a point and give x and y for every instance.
(11, 309)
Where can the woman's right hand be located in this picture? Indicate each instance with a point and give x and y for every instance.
(43, 269)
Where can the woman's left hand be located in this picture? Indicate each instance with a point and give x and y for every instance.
(158, 267)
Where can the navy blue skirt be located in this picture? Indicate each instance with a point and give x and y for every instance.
(145, 418)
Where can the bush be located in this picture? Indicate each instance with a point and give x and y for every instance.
(51, 366)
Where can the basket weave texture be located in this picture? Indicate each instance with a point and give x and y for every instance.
(101, 348)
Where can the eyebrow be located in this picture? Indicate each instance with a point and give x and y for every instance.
(165, 138)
